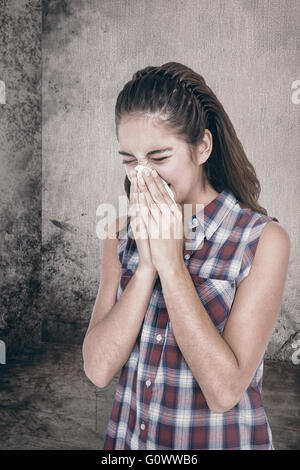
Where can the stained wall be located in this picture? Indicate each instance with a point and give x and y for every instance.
(20, 173)
(56, 172)
(245, 50)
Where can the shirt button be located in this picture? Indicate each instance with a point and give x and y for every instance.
(159, 337)
(148, 383)
(195, 223)
(143, 426)
(187, 256)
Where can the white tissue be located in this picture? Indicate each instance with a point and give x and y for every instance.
(140, 169)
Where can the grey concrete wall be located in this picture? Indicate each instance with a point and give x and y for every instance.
(20, 173)
(246, 50)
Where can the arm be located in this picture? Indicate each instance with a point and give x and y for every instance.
(109, 343)
(114, 326)
(224, 365)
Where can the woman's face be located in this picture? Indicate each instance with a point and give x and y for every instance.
(140, 136)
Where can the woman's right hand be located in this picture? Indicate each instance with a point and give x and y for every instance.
(139, 229)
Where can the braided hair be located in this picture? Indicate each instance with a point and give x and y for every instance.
(186, 105)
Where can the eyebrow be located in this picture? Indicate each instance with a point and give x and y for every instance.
(149, 153)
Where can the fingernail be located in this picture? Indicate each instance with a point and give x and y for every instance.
(154, 173)
(141, 180)
(147, 172)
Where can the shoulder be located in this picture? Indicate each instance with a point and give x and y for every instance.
(254, 223)
(271, 256)
(266, 256)
(275, 239)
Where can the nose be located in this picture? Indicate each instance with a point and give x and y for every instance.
(143, 163)
(138, 169)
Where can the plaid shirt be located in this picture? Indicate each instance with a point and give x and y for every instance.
(158, 403)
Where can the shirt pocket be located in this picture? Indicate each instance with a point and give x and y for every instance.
(217, 296)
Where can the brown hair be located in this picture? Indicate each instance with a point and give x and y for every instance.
(188, 106)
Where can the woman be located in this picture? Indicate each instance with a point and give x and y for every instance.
(186, 318)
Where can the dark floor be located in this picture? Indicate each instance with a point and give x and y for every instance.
(47, 402)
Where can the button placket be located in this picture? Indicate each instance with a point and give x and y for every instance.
(156, 346)
(158, 338)
(158, 341)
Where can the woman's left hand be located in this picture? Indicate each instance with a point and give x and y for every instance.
(163, 220)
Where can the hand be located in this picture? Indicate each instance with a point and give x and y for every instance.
(139, 229)
(163, 221)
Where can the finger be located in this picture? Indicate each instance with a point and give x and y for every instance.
(162, 188)
(136, 212)
(158, 205)
(140, 187)
(133, 199)
(151, 215)
(158, 191)
(131, 195)
(168, 200)
(143, 227)
(148, 202)
(150, 187)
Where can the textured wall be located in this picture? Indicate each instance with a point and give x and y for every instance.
(20, 175)
(246, 51)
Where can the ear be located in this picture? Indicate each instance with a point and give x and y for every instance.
(204, 148)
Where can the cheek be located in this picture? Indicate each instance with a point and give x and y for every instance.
(178, 180)
(172, 177)
(178, 175)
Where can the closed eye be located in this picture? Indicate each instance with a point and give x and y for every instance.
(154, 159)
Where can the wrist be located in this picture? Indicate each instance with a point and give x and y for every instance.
(172, 269)
(146, 272)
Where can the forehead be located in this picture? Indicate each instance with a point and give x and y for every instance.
(143, 130)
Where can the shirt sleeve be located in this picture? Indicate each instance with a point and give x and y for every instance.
(251, 245)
